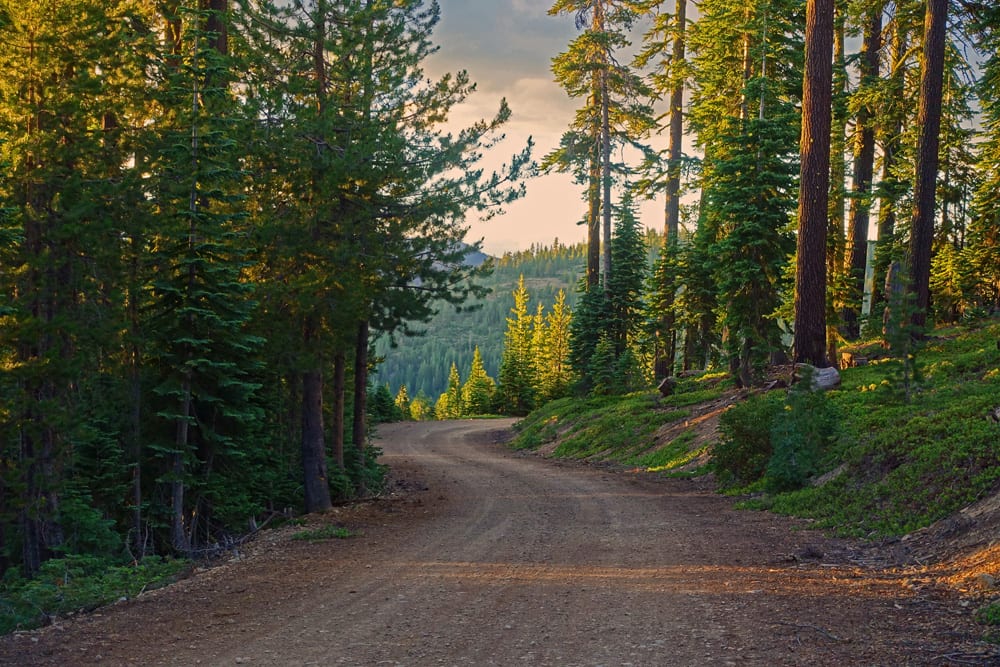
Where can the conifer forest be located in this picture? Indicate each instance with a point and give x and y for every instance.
(222, 220)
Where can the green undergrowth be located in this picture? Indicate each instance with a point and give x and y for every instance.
(893, 449)
(905, 463)
(73, 584)
(618, 429)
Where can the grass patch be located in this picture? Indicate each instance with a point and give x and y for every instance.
(73, 584)
(325, 533)
(674, 454)
(616, 428)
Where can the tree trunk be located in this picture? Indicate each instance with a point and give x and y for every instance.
(605, 134)
(864, 162)
(179, 538)
(315, 476)
(924, 193)
(674, 149)
(594, 217)
(339, 390)
(667, 349)
(838, 191)
(810, 269)
(360, 424)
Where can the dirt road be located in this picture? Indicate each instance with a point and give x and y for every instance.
(498, 558)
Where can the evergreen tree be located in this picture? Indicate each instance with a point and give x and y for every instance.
(981, 256)
(552, 351)
(202, 356)
(477, 392)
(625, 286)
(515, 393)
(376, 239)
(455, 404)
(615, 114)
(586, 331)
(65, 191)
(753, 199)
(402, 402)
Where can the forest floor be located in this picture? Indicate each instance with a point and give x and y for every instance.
(485, 556)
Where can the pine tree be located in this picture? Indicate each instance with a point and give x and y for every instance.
(376, 241)
(65, 191)
(981, 256)
(202, 354)
(625, 286)
(402, 402)
(456, 406)
(615, 114)
(586, 333)
(515, 393)
(477, 392)
(864, 162)
(552, 348)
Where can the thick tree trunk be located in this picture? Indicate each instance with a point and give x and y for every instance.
(810, 270)
(315, 476)
(360, 424)
(864, 162)
(929, 123)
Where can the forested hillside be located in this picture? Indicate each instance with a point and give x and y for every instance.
(421, 363)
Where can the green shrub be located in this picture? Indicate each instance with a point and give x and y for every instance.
(741, 456)
(989, 614)
(801, 434)
(76, 583)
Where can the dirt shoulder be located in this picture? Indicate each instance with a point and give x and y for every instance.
(490, 557)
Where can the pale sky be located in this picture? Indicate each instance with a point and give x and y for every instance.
(507, 47)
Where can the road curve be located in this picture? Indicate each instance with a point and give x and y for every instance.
(511, 559)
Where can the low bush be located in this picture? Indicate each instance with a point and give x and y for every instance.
(741, 456)
(77, 583)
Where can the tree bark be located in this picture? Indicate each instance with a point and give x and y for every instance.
(339, 390)
(599, 27)
(864, 162)
(810, 270)
(836, 241)
(674, 148)
(929, 122)
(315, 475)
(360, 424)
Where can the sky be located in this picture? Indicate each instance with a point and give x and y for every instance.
(507, 48)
